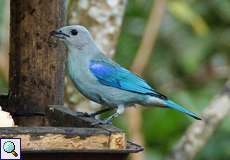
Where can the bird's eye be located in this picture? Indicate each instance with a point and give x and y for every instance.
(74, 32)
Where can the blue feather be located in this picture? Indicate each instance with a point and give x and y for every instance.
(173, 105)
(116, 76)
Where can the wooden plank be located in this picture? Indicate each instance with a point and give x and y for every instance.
(83, 154)
(131, 148)
(65, 138)
(117, 141)
(61, 116)
(58, 115)
(75, 156)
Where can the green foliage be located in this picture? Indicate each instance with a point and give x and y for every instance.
(3, 83)
(190, 64)
(2, 5)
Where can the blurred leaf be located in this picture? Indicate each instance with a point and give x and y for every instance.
(222, 9)
(193, 51)
(182, 11)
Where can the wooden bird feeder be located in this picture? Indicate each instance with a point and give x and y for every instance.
(36, 86)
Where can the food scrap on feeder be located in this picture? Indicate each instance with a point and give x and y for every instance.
(6, 119)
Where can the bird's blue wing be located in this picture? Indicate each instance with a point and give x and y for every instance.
(116, 76)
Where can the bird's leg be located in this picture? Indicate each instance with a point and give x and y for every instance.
(98, 112)
(120, 110)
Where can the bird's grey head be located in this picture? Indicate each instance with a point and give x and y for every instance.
(74, 36)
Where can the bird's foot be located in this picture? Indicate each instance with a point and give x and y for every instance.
(94, 114)
(120, 110)
(85, 114)
(102, 122)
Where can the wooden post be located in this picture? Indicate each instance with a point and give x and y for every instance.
(36, 76)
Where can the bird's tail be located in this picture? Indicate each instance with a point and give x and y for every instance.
(173, 105)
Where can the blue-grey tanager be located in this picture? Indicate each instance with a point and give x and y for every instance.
(102, 80)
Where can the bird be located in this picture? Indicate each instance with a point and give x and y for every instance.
(104, 81)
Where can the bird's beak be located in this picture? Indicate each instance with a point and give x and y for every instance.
(59, 34)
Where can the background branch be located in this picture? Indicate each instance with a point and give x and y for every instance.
(198, 134)
(139, 64)
(149, 37)
(4, 43)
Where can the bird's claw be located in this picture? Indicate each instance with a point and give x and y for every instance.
(85, 114)
(102, 122)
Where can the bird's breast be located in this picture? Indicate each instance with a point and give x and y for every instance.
(82, 78)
